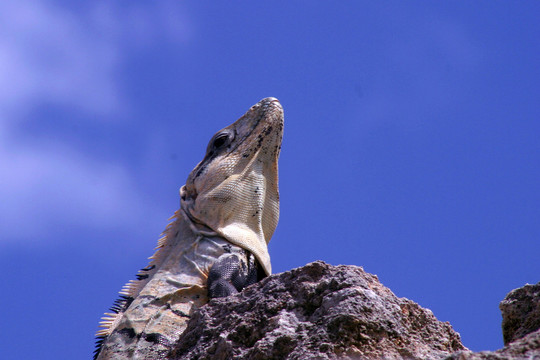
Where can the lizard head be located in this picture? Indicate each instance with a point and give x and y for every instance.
(234, 189)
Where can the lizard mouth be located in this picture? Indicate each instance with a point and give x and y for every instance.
(269, 113)
(256, 134)
(263, 125)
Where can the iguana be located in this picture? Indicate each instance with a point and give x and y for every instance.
(215, 245)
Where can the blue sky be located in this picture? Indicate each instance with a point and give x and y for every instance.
(411, 147)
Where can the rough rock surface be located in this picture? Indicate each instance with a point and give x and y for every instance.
(521, 328)
(521, 312)
(527, 347)
(316, 312)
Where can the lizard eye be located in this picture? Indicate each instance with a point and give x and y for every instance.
(220, 140)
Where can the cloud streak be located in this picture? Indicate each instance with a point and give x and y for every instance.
(69, 59)
(51, 55)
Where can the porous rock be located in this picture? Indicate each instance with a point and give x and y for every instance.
(526, 348)
(521, 312)
(521, 328)
(317, 311)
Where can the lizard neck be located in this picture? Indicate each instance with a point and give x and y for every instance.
(166, 292)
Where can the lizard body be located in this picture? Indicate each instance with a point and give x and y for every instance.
(215, 245)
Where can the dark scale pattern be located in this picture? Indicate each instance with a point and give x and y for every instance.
(156, 339)
(230, 274)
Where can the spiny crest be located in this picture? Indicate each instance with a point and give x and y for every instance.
(133, 287)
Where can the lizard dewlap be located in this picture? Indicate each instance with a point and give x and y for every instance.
(215, 245)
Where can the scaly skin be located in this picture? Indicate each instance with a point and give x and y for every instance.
(229, 211)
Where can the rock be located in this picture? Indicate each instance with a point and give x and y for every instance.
(317, 311)
(341, 312)
(521, 327)
(527, 347)
(521, 312)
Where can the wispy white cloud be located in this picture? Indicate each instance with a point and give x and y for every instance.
(47, 188)
(51, 55)
(54, 55)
